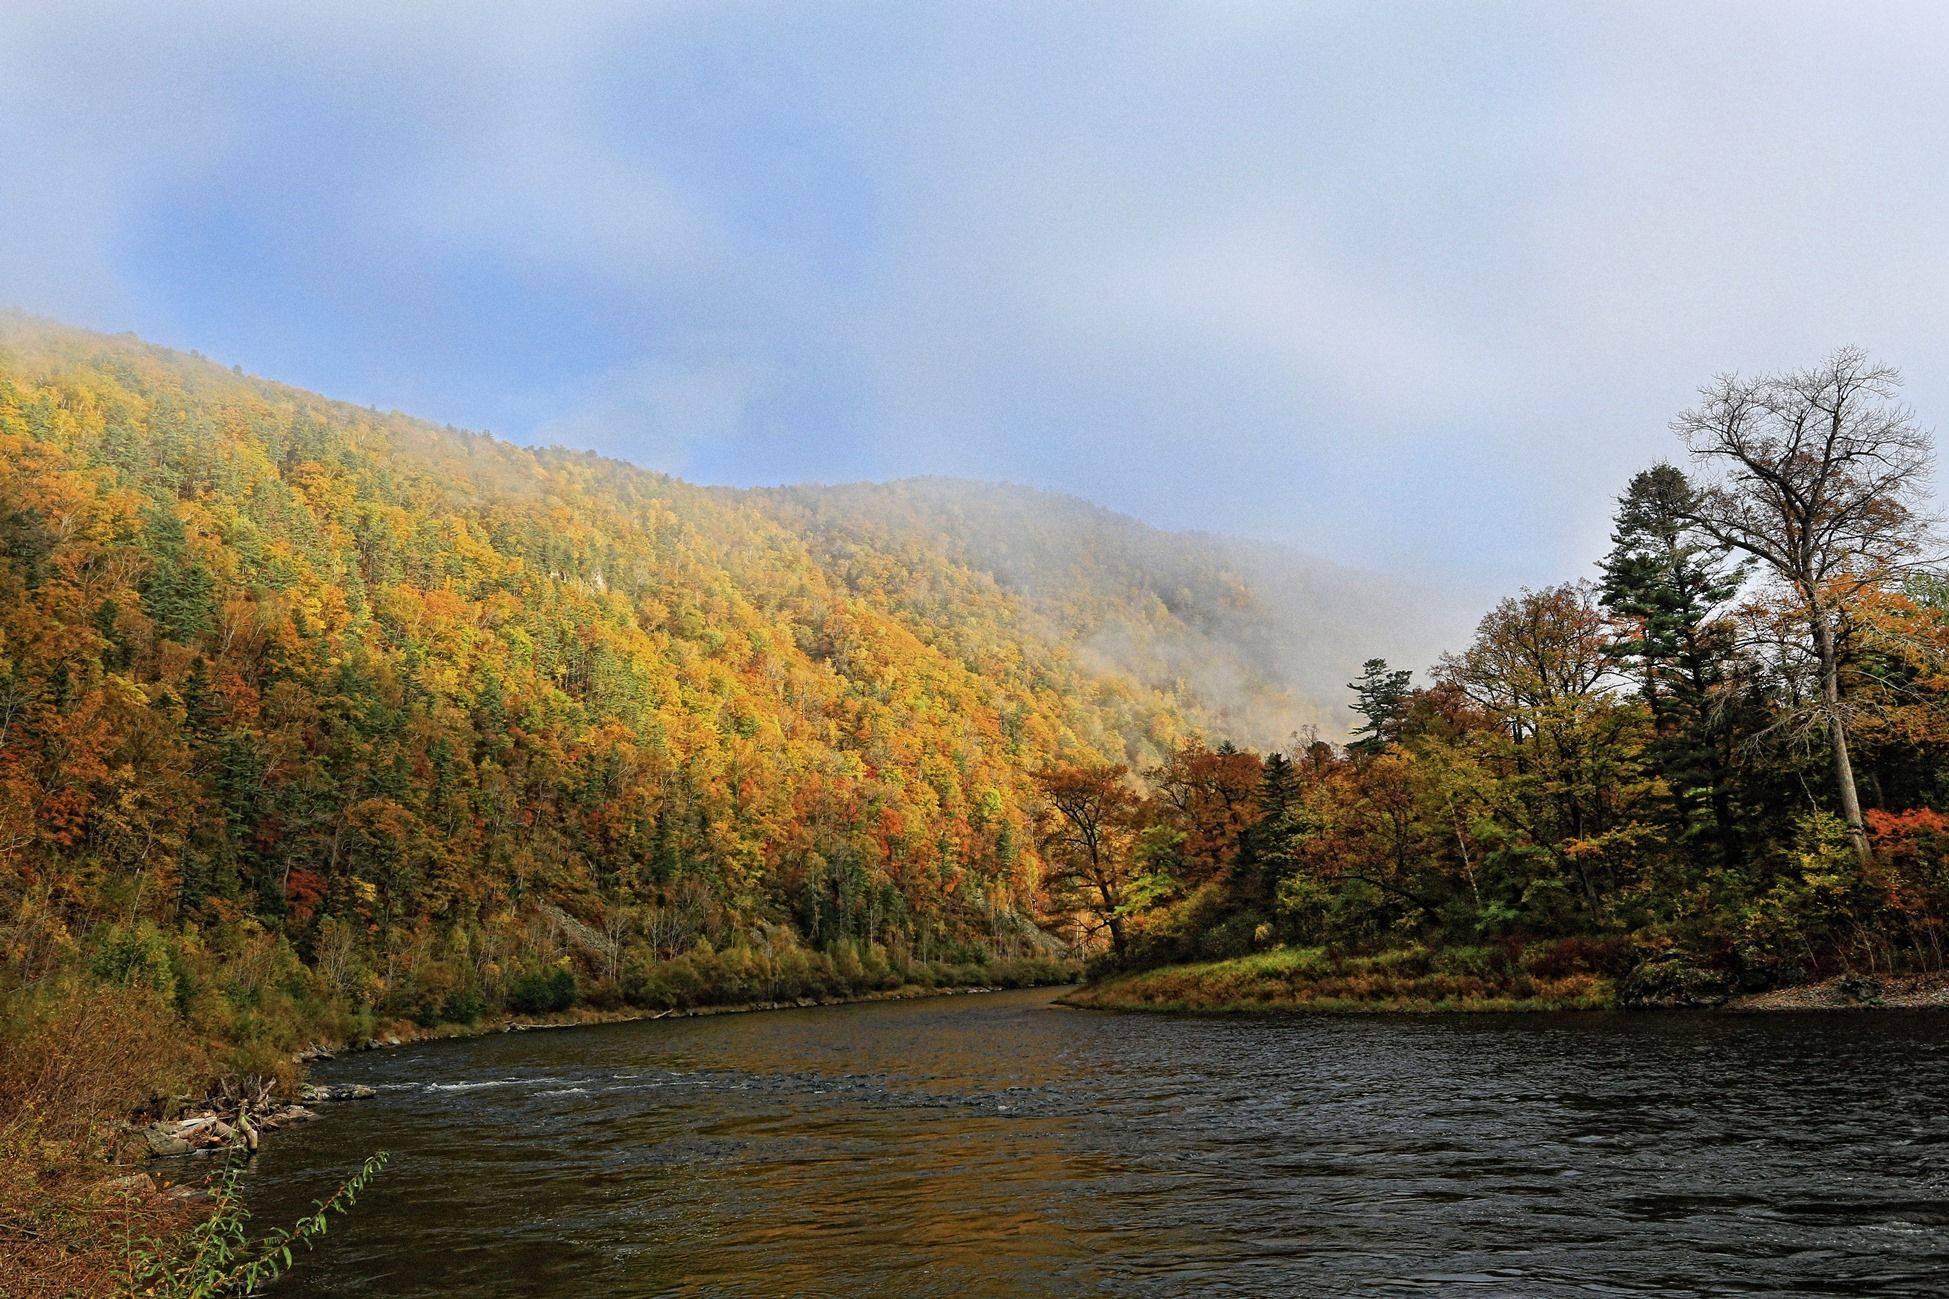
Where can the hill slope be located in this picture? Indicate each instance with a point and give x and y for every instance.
(266, 654)
(1255, 642)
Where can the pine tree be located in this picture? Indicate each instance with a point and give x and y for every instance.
(1664, 584)
(1381, 696)
(1270, 845)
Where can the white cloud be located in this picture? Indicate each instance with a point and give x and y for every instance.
(1409, 284)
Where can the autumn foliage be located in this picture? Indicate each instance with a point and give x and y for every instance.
(315, 720)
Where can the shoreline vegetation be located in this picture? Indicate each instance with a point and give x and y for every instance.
(1459, 981)
(1405, 981)
(1715, 776)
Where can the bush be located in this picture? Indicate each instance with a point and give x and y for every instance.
(1820, 895)
(464, 1006)
(76, 1058)
(1579, 954)
(542, 991)
(136, 956)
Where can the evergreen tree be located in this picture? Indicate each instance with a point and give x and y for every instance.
(1381, 696)
(1271, 843)
(1664, 584)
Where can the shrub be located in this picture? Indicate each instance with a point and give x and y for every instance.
(1674, 980)
(464, 1006)
(1790, 927)
(75, 1059)
(542, 991)
(137, 956)
(1578, 954)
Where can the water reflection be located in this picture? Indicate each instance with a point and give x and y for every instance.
(1000, 1145)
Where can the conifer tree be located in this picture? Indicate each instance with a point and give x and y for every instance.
(1381, 696)
(1664, 583)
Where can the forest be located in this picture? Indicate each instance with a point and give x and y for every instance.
(320, 725)
(1716, 767)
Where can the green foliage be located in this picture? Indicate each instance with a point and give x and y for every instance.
(1407, 979)
(1819, 891)
(1612, 783)
(1675, 980)
(540, 992)
(219, 1260)
(1381, 698)
(135, 955)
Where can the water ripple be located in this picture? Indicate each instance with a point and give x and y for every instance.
(1002, 1146)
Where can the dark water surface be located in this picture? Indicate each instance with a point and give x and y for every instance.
(1000, 1145)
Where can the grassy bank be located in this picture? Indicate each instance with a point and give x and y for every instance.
(1406, 980)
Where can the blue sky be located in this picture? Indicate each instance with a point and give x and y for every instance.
(1405, 286)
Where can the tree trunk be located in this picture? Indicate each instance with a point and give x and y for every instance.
(1830, 689)
(1115, 924)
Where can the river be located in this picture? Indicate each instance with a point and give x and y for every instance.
(1002, 1145)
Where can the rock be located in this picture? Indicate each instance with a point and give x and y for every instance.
(1671, 981)
(186, 1192)
(284, 1114)
(203, 1134)
(1858, 989)
(132, 1184)
(320, 1093)
(165, 1144)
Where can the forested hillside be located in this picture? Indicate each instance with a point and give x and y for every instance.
(387, 689)
(315, 720)
(1257, 642)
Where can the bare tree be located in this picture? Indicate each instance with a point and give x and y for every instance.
(605, 942)
(1821, 478)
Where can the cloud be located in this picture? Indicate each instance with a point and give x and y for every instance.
(1408, 286)
(661, 415)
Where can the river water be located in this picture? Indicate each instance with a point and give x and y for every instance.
(1002, 1145)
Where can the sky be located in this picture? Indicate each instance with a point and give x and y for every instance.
(1406, 287)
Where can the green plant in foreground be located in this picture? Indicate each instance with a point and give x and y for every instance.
(218, 1260)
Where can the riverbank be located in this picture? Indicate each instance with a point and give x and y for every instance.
(1468, 980)
(406, 1033)
(99, 1138)
(1855, 992)
(1408, 981)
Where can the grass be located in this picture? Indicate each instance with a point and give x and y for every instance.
(1411, 980)
(75, 1059)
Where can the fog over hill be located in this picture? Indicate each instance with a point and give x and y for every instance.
(1261, 638)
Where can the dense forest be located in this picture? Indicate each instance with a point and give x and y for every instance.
(318, 723)
(1721, 765)
(421, 711)
(1254, 641)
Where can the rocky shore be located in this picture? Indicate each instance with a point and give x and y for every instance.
(1856, 992)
